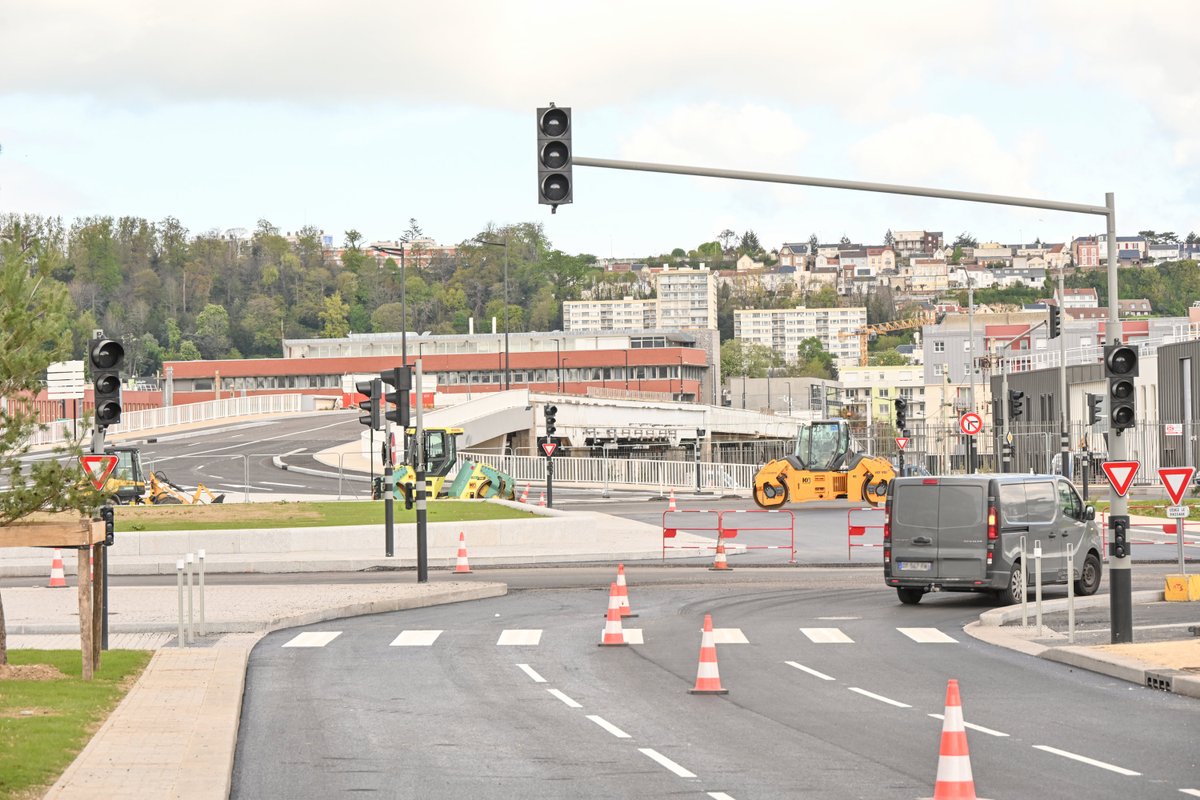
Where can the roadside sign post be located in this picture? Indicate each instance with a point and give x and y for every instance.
(419, 480)
(549, 447)
(970, 424)
(901, 443)
(1176, 480)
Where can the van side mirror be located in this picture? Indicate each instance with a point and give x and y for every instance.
(1089, 513)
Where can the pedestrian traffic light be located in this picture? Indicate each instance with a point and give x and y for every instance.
(1055, 322)
(554, 156)
(1095, 407)
(1016, 404)
(1121, 367)
(106, 357)
(901, 406)
(372, 405)
(551, 414)
(400, 380)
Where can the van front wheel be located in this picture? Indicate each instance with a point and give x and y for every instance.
(910, 597)
(1012, 594)
(1089, 576)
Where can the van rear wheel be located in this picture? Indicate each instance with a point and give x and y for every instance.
(1089, 576)
(1012, 593)
(910, 597)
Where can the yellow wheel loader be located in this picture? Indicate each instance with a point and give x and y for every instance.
(824, 466)
(129, 484)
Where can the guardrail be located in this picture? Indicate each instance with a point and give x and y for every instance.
(706, 476)
(159, 418)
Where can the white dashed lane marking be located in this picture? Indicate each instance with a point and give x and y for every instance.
(826, 636)
(570, 703)
(520, 637)
(313, 639)
(608, 726)
(927, 636)
(809, 670)
(719, 796)
(415, 638)
(729, 636)
(666, 762)
(528, 670)
(633, 636)
(879, 697)
(1085, 760)
(973, 727)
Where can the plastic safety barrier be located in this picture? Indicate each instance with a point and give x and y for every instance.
(858, 522)
(761, 520)
(679, 522)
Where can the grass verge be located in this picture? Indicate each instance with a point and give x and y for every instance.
(299, 515)
(36, 747)
(1153, 508)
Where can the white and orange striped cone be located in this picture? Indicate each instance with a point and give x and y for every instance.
(719, 562)
(542, 500)
(461, 567)
(614, 635)
(708, 679)
(623, 593)
(525, 494)
(671, 505)
(954, 780)
(58, 576)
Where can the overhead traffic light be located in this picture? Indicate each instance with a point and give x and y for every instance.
(1016, 404)
(1055, 322)
(372, 406)
(1121, 367)
(554, 156)
(106, 357)
(901, 406)
(551, 415)
(1095, 407)
(400, 380)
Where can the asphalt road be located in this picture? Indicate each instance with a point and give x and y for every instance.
(847, 719)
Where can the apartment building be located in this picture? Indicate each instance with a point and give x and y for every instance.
(783, 329)
(610, 315)
(909, 242)
(687, 298)
(872, 391)
(1079, 298)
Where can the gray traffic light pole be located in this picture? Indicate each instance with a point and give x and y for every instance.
(418, 462)
(1121, 600)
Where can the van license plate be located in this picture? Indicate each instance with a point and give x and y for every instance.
(915, 566)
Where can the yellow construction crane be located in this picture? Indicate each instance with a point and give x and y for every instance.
(864, 333)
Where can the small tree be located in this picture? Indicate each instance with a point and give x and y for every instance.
(35, 314)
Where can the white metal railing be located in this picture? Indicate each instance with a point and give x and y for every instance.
(623, 472)
(1026, 360)
(158, 418)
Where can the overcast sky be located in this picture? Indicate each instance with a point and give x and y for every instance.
(363, 114)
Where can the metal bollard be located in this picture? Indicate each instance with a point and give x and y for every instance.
(190, 623)
(1024, 586)
(1037, 583)
(203, 625)
(1070, 595)
(179, 585)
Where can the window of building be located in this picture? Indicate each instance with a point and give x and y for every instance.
(939, 347)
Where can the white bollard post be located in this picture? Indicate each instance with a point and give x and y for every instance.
(1024, 586)
(200, 560)
(188, 559)
(1070, 595)
(1037, 583)
(179, 585)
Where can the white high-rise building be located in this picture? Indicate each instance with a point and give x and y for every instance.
(687, 298)
(783, 329)
(610, 315)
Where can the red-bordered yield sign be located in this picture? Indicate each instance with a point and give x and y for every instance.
(1120, 474)
(1176, 479)
(548, 448)
(902, 442)
(98, 468)
(970, 423)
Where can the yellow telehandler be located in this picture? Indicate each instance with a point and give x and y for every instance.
(824, 466)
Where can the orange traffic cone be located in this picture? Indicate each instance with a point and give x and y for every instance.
(671, 505)
(954, 781)
(719, 563)
(623, 593)
(58, 577)
(614, 636)
(542, 501)
(708, 679)
(525, 494)
(461, 567)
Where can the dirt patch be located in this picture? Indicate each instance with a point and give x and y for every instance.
(1172, 655)
(30, 672)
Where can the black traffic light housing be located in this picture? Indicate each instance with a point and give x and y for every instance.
(1095, 408)
(1055, 321)
(1016, 404)
(551, 418)
(106, 514)
(399, 379)
(410, 494)
(373, 405)
(901, 406)
(1121, 367)
(106, 357)
(554, 156)
(1119, 546)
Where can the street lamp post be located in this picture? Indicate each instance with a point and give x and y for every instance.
(507, 374)
(681, 378)
(558, 364)
(626, 354)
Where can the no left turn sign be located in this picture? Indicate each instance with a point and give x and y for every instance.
(970, 423)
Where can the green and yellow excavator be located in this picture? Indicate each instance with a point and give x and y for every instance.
(824, 466)
(475, 480)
